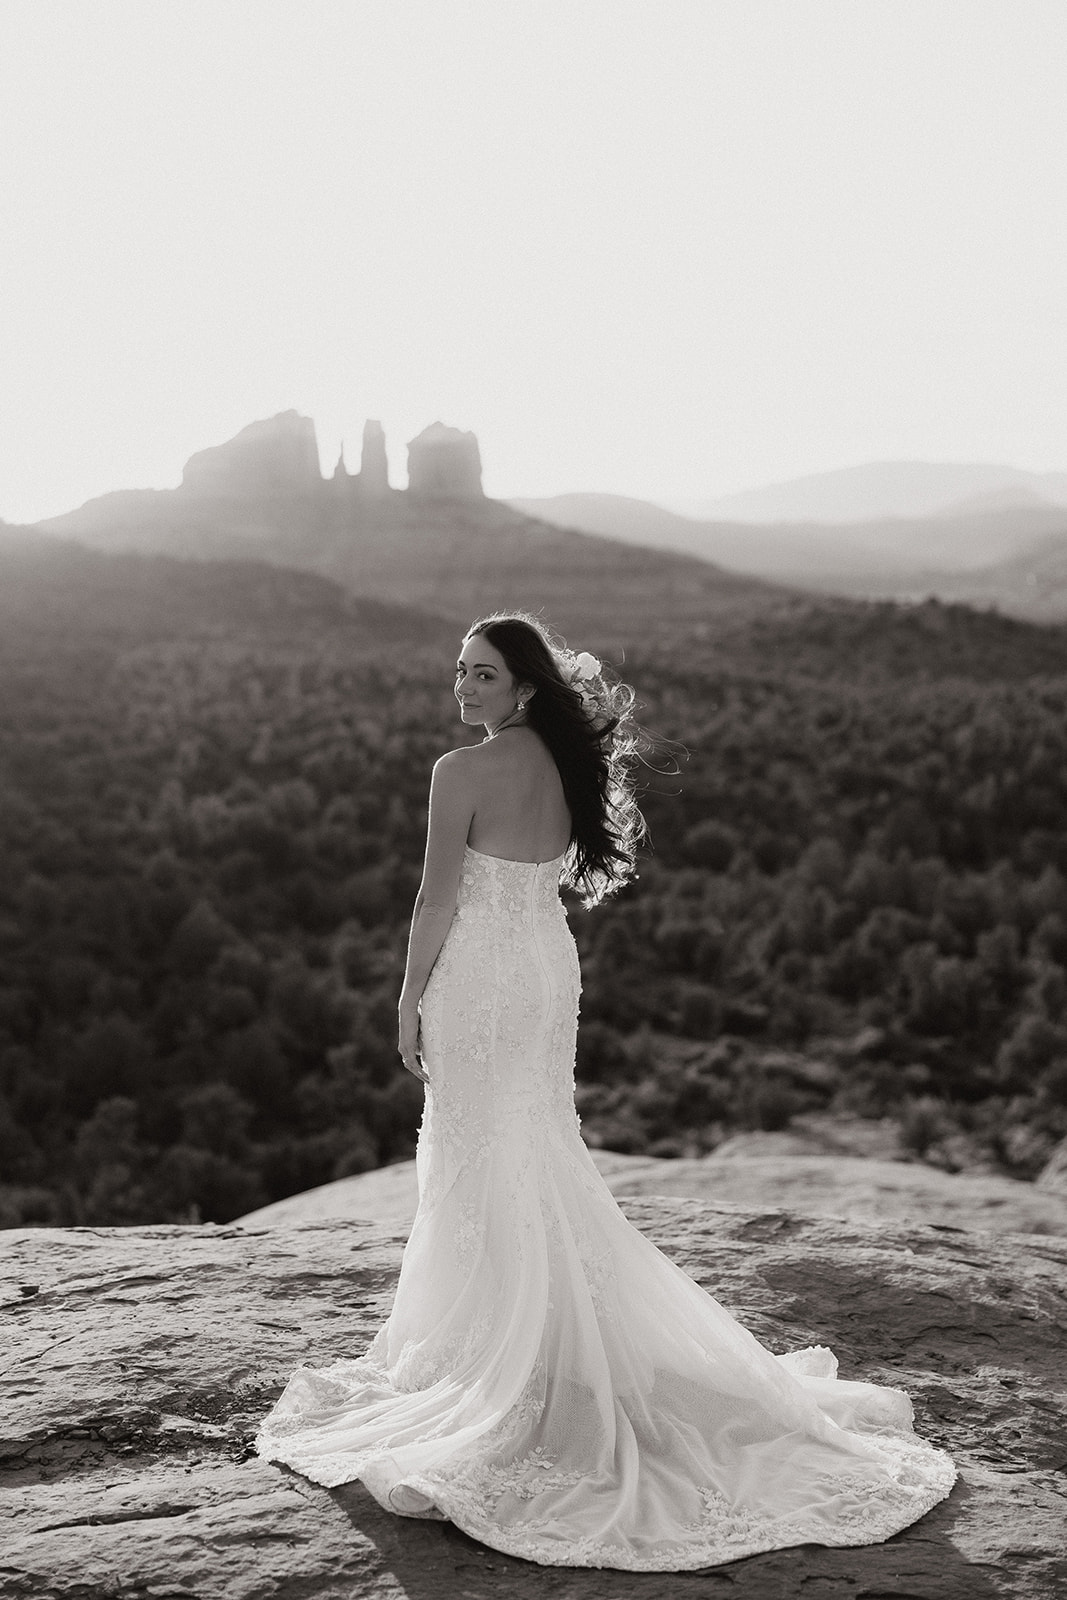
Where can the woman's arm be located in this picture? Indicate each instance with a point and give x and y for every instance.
(451, 811)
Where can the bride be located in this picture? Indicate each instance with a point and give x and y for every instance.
(547, 1379)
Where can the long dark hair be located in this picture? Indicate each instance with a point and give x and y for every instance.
(587, 722)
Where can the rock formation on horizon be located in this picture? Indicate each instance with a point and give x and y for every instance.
(441, 544)
(371, 482)
(444, 463)
(277, 457)
(373, 461)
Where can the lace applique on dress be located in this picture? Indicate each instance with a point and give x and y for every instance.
(548, 1379)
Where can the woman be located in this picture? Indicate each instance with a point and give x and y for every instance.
(547, 1379)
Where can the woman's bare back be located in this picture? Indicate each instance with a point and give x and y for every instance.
(520, 812)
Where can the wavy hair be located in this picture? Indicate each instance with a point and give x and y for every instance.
(589, 727)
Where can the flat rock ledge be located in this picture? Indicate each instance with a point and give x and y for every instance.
(137, 1362)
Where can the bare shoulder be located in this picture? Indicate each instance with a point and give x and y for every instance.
(456, 759)
(457, 767)
(473, 766)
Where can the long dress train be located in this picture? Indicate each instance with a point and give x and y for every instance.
(547, 1379)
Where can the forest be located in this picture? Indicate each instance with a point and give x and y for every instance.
(212, 806)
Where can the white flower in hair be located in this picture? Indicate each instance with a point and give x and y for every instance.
(586, 667)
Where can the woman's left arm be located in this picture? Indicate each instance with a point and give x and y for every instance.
(451, 811)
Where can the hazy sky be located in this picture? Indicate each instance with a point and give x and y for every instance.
(666, 248)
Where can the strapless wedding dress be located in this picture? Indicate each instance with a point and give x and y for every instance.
(547, 1379)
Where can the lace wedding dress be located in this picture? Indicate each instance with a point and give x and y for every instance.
(547, 1379)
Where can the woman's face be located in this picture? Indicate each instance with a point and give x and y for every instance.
(484, 688)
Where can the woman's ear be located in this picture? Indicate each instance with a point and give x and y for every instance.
(525, 692)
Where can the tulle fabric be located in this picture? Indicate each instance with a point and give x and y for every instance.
(547, 1379)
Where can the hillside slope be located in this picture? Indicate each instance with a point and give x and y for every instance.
(97, 600)
(876, 489)
(457, 558)
(987, 554)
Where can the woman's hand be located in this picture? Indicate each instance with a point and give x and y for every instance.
(409, 1043)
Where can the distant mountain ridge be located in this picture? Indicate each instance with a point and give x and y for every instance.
(1012, 555)
(443, 547)
(987, 535)
(878, 489)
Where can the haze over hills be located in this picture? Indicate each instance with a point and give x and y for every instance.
(1010, 555)
(987, 535)
(956, 541)
(440, 544)
(53, 587)
(878, 489)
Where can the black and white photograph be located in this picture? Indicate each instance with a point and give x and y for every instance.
(533, 799)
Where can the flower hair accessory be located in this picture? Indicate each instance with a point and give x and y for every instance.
(580, 672)
(578, 669)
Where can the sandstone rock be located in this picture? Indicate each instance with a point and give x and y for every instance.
(794, 1169)
(276, 457)
(819, 1133)
(138, 1361)
(373, 462)
(388, 1195)
(444, 463)
(1052, 1179)
(864, 1190)
(456, 558)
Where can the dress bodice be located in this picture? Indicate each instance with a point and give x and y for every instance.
(518, 894)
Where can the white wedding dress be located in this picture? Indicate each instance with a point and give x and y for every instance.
(547, 1379)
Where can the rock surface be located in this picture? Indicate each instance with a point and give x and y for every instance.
(138, 1361)
(1052, 1179)
(796, 1169)
(388, 1195)
(373, 460)
(445, 463)
(275, 457)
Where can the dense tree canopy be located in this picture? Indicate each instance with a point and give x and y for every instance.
(212, 805)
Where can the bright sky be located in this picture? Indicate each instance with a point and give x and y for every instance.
(667, 248)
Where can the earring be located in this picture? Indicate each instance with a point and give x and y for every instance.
(521, 706)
